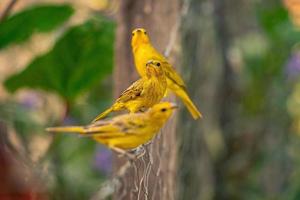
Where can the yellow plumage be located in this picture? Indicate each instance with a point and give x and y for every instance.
(127, 131)
(144, 51)
(143, 93)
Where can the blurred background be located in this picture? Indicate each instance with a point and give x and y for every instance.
(63, 61)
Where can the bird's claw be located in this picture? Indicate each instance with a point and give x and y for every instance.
(129, 156)
(138, 152)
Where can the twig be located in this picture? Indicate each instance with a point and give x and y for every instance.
(146, 182)
(109, 187)
(7, 10)
(136, 177)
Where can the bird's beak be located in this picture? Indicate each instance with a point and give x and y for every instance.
(174, 106)
(149, 62)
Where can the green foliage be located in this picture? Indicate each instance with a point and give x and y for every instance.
(81, 57)
(22, 25)
(265, 70)
(74, 168)
(271, 17)
(274, 20)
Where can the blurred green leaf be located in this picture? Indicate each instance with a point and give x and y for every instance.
(274, 19)
(78, 61)
(42, 18)
(265, 66)
(271, 16)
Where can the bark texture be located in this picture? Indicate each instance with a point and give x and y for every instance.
(199, 140)
(153, 176)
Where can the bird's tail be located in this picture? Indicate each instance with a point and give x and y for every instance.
(188, 103)
(103, 114)
(67, 129)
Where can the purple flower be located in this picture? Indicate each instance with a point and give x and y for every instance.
(69, 121)
(293, 66)
(30, 100)
(103, 160)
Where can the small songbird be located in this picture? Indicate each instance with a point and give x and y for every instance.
(127, 131)
(143, 51)
(143, 93)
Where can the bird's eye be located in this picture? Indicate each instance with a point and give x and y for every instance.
(163, 110)
(145, 33)
(158, 64)
(132, 34)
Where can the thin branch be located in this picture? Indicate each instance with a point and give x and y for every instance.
(109, 187)
(7, 10)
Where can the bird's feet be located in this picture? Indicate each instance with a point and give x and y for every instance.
(139, 151)
(123, 153)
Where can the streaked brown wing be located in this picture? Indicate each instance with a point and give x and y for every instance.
(132, 92)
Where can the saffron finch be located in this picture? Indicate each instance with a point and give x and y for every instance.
(143, 93)
(127, 131)
(143, 51)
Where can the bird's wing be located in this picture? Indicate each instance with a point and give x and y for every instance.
(120, 126)
(132, 124)
(132, 91)
(169, 71)
(103, 129)
(172, 75)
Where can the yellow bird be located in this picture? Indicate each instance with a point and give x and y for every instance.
(127, 131)
(143, 93)
(144, 51)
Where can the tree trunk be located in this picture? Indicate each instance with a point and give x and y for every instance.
(152, 176)
(201, 70)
